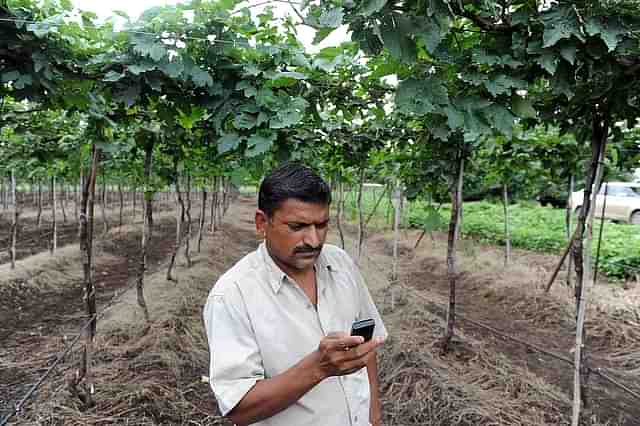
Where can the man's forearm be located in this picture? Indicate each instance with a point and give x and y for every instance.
(375, 409)
(270, 396)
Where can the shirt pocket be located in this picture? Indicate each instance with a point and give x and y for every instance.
(343, 301)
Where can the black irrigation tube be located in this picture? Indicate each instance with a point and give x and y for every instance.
(95, 317)
(597, 370)
(43, 378)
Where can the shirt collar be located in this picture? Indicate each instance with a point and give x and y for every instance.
(277, 276)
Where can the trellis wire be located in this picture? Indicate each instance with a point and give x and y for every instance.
(597, 370)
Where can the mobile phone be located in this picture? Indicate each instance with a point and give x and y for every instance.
(363, 328)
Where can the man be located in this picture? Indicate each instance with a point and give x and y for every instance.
(278, 321)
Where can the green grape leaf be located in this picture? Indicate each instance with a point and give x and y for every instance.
(331, 18)
(369, 7)
(502, 84)
(421, 96)
(244, 121)
(137, 69)
(321, 34)
(259, 143)
(113, 76)
(173, 69)
(560, 23)
(229, 142)
(549, 61)
(568, 52)
(522, 107)
(200, 77)
(608, 31)
(249, 90)
(291, 113)
(501, 119)
(399, 45)
(9, 76)
(455, 118)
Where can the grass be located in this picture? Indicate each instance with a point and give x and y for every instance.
(540, 229)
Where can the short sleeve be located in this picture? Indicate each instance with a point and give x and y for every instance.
(367, 308)
(236, 364)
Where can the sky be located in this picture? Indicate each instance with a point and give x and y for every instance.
(133, 8)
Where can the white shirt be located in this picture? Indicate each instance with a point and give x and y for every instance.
(260, 323)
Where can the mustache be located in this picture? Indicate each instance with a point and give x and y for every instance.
(307, 249)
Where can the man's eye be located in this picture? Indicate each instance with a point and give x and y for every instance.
(322, 225)
(295, 226)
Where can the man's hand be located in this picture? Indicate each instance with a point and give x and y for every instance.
(339, 354)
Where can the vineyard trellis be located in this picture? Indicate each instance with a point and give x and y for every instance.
(87, 330)
(192, 99)
(443, 309)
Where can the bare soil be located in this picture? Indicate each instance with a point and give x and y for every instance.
(511, 300)
(36, 323)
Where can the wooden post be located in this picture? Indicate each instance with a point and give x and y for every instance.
(3, 193)
(79, 202)
(220, 199)
(39, 203)
(582, 254)
(396, 201)
(121, 198)
(454, 229)
(203, 212)
(180, 217)
(54, 225)
(214, 202)
(76, 200)
(568, 220)
(14, 220)
(360, 241)
(86, 250)
(146, 230)
(63, 201)
(103, 204)
(507, 236)
(339, 209)
(187, 245)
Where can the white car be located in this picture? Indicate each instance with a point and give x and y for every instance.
(623, 202)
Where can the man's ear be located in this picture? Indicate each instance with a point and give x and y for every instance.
(261, 222)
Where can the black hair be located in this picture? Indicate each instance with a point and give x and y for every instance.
(292, 180)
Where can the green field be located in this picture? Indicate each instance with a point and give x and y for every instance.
(532, 227)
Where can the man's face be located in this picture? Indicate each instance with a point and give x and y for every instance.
(295, 233)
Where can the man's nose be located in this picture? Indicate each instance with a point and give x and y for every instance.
(312, 236)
